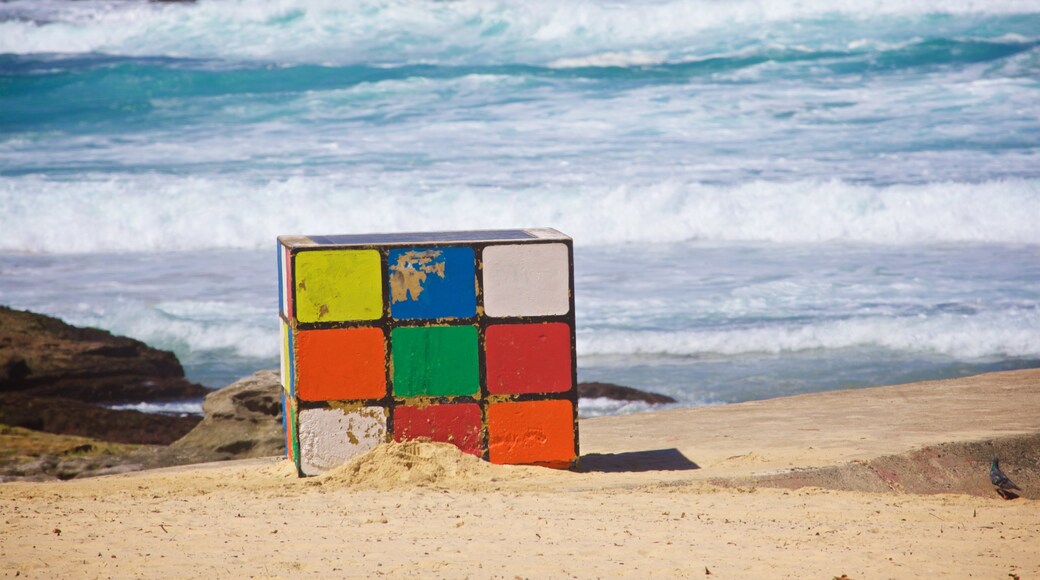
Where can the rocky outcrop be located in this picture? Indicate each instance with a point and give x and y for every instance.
(71, 417)
(38, 456)
(620, 393)
(242, 420)
(42, 356)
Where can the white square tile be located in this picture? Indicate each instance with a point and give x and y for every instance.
(526, 280)
(331, 437)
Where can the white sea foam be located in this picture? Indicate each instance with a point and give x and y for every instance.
(187, 327)
(1010, 333)
(254, 334)
(601, 406)
(609, 59)
(147, 213)
(179, 408)
(326, 31)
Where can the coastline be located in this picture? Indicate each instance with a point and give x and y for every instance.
(674, 493)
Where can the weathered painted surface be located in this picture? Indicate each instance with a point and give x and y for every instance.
(458, 424)
(458, 337)
(534, 432)
(284, 277)
(432, 283)
(338, 285)
(288, 366)
(284, 363)
(528, 358)
(341, 364)
(526, 280)
(331, 437)
(290, 420)
(285, 426)
(438, 361)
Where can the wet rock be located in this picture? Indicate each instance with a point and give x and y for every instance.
(620, 393)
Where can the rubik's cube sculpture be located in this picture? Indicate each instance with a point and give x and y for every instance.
(458, 337)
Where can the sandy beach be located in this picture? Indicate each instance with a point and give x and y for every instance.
(887, 482)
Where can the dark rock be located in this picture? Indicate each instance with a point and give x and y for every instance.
(13, 370)
(620, 393)
(45, 357)
(71, 417)
(121, 389)
(237, 448)
(263, 403)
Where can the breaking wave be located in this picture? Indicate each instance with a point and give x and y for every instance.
(329, 31)
(107, 215)
(1007, 334)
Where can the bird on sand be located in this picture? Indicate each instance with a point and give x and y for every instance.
(997, 477)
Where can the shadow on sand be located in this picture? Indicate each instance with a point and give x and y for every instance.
(632, 461)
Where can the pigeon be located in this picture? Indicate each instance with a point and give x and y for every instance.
(997, 477)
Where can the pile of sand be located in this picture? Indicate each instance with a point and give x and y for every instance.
(420, 464)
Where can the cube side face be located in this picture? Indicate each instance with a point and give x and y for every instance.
(290, 422)
(284, 281)
(455, 339)
(283, 354)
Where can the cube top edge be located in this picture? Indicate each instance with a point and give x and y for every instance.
(412, 238)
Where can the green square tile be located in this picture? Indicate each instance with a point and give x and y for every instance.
(437, 361)
(338, 285)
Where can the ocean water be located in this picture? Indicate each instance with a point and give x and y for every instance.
(767, 198)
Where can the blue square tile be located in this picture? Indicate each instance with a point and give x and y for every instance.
(431, 283)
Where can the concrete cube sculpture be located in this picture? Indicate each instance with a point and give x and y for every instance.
(458, 337)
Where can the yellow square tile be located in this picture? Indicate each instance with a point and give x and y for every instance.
(338, 285)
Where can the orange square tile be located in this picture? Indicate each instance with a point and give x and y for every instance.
(531, 433)
(341, 363)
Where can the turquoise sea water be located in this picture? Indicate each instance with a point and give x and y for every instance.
(766, 198)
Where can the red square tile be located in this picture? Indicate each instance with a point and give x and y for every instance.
(528, 358)
(458, 424)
